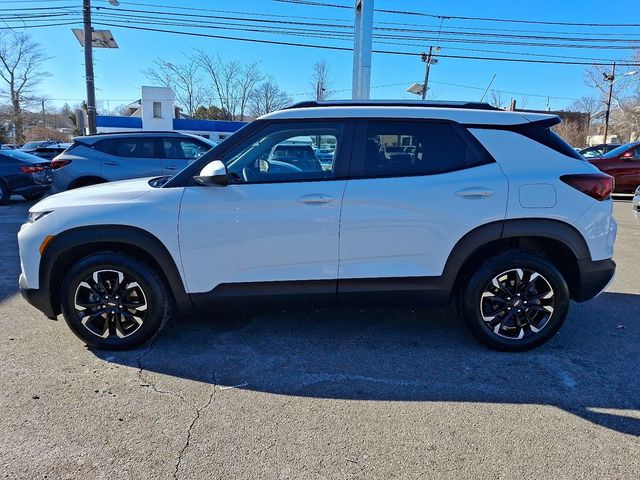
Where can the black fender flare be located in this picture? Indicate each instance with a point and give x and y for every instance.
(474, 240)
(65, 242)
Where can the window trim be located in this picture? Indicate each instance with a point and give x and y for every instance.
(356, 171)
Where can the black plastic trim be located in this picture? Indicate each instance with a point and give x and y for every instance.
(548, 228)
(594, 277)
(393, 103)
(116, 235)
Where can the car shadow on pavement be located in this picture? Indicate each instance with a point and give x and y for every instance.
(588, 369)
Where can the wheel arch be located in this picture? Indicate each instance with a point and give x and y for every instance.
(74, 244)
(85, 181)
(554, 239)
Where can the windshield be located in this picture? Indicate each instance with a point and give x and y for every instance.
(31, 145)
(621, 149)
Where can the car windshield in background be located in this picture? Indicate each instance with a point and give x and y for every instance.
(31, 146)
(621, 149)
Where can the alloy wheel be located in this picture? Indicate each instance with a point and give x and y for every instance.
(110, 303)
(517, 303)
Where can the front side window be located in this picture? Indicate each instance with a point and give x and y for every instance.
(183, 149)
(416, 148)
(284, 152)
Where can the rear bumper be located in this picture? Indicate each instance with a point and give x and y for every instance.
(37, 297)
(595, 276)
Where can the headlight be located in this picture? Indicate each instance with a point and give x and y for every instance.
(33, 216)
(638, 191)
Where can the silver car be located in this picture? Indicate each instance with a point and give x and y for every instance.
(119, 156)
(636, 202)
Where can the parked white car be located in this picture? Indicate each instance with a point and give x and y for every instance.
(636, 202)
(487, 208)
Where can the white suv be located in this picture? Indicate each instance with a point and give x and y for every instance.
(422, 203)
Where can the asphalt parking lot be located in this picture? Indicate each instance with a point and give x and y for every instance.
(344, 393)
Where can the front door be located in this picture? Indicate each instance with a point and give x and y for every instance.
(277, 220)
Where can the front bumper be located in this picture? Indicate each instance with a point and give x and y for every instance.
(595, 276)
(37, 297)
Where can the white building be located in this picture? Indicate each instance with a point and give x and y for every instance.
(156, 111)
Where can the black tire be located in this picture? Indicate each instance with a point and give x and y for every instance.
(536, 308)
(137, 325)
(33, 196)
(5, 194)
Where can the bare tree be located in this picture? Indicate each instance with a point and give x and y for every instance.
(320, 80)
(267, 98)
(184, 79)
(232, 82)
(586, 104)
(573, 132)
(21, 60)
(495, 98)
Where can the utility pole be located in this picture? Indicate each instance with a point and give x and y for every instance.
(611, 79)
(88, 66)
(362, 41)
(44, 118)
(427, 59)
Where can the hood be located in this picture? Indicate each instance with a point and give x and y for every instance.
(101, 194)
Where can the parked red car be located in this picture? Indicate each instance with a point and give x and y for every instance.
(623, 164)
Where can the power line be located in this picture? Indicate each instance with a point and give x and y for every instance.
(454, 17)
(329, 47)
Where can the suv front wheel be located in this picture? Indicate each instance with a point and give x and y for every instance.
(515, 301)
(114, 302)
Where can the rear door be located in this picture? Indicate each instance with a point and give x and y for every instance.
(179, 152)
(415, 189)
(130, 157)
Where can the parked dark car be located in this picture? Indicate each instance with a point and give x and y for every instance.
(623, 164)
(31, 147)
(49, 152)
(598, 150)
(23, 174)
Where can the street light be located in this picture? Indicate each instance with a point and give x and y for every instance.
(611, 78)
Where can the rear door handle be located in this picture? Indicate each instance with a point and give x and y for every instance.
(474, 192)
(315, 199)
(111, 164)
(171, 167)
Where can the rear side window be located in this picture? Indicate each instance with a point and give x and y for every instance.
(134, 147)
(417, 148)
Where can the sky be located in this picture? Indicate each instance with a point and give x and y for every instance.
(119, 72)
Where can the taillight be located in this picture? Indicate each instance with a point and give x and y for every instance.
(32, 168)
(596, 185)
(56, 164)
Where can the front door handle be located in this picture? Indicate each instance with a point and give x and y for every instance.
(474, 192)
(171, 167)
(315, 199)
(111, 164)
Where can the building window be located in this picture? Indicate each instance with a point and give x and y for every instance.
(157, 110)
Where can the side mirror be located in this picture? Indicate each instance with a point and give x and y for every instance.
(214, 173)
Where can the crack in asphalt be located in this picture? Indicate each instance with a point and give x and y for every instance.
(193, 422)
(148, 381)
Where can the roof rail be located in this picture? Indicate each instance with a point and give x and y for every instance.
(393, 103)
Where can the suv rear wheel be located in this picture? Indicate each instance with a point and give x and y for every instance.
(515, 301)
(114, 302)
